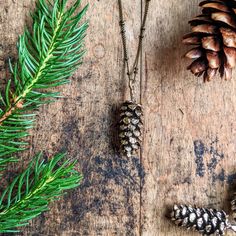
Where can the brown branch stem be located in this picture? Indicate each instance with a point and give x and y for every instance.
(14, 106)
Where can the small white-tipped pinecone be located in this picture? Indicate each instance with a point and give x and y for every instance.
(130, 126)
(205, 221)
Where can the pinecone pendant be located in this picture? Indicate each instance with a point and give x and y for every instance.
(130, 128)
(205, 221)
(214, 37)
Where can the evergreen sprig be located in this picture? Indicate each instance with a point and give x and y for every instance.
(30, 193)
(47, 55)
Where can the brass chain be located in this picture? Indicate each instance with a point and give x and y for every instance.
(134, 71)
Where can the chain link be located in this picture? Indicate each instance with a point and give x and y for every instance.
(134, 71)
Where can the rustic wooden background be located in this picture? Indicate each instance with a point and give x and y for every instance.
(188, 154)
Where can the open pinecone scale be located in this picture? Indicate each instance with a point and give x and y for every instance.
(214, 37)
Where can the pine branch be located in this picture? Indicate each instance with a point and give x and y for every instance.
(30, 193)
(47, 56)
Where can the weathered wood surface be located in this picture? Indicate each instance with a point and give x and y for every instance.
(189, 147)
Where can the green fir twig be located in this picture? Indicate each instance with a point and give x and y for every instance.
(30, 193)
(47, 55)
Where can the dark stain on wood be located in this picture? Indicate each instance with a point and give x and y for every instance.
(70, 134)
(125, 173)
(204, 164)
(219, 177)
(216, 156)
(231, 178)
(199, 150)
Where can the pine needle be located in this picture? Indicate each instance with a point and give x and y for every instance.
(30, 192)
(47, 55)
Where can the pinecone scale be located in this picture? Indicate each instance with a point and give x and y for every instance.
(214, 37)
(205, 221)
(130, 126)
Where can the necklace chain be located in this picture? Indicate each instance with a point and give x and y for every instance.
(132, 73)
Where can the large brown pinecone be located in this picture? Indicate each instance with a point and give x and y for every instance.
(130, 127)
(205, 221)
(214, 34)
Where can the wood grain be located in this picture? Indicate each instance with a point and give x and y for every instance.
(190, 128)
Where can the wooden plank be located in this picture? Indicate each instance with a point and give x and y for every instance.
(189, 142)
(188, 151)
(83, 124)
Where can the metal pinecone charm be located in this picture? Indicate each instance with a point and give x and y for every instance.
(130, 126)
(214, 39)
(205, 221)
